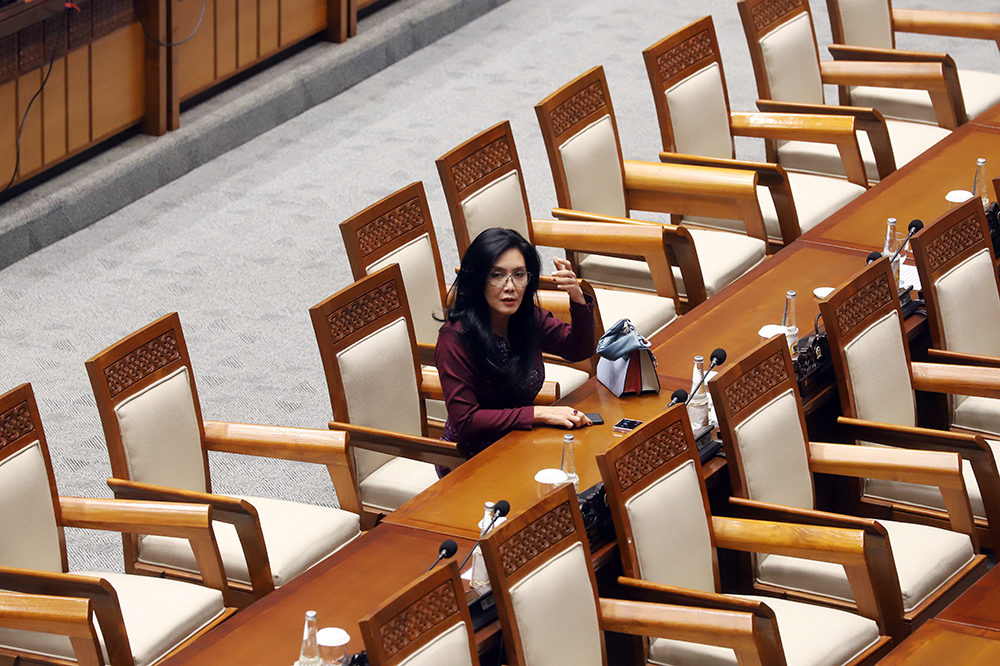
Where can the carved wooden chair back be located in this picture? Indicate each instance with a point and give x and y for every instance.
(581, 138)
(659, 504)
(484, 187)
(957, 269)
(544, 586)
(783, 50)
(398, 229)
(30, 516)
(689, 90)
(366, 339)
(763, 427)
(425, 624)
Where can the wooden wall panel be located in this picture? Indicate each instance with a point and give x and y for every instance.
(301, 18)
(78, 98)
(8, 130)
(195, 58)
(31, 134)
(246, 38)
(225, 38)
(268, 21)
(117, 77)
(53, 100)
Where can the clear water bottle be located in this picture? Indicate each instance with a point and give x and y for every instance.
(889, 247)
(979, 184)
(569, 460)
(791, 327)
(697, 406)
(309, 654)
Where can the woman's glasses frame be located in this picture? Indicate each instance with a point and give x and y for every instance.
(498, 280)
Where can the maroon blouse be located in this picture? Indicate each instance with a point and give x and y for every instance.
(479, 411)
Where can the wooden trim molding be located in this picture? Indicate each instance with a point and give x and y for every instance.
(142, 362)
(686, 54)
(869, 298)
(363, 310)
(750, 386)
(953, 242)
(388, 227)
(576, 108)
(418, 619)
(650, 455)
(15, 423)
(481, 164)
(538, 537)
(770, 12)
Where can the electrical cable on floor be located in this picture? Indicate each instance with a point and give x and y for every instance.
(204, 4)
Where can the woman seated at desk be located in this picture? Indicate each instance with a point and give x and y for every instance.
(489, 350)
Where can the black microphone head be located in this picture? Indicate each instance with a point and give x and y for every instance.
(501, 508)
(680, 395)
(915, 226)
(874, 256)
(448, 548)
(719, 356)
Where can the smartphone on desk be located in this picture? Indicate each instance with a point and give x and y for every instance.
(595, 418)
(626, 425)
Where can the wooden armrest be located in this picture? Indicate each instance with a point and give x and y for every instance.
(635, 589)
(756, 510)
(876, 54)
(768, 174)
(186, 521)
(838, 130)
(811, 542)
(959, 358)
(931, 468)
(868, 120)
(691, 190)
(938, 78)
(424, 449)
(960, 379)
(301, 444)
(430, 384)
(973, 25)
(232, 510)
(99, 592)
(425, 353)
(65, 616)
(908, 437)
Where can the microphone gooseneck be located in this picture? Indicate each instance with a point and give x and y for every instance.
(680, 395)
(500, 509)
(447, 549)
(914, 227)
(718, 358)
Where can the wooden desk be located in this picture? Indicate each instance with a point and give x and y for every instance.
(937, 643)
(342, 589)
(979, 606)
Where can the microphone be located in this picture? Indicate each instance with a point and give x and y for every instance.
(718, 358)
(500, 509)
(873, 256)
(680, 395)
(448, 548)
(914, 227)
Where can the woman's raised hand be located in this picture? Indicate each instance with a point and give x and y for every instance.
(562, 417)
(565, 279)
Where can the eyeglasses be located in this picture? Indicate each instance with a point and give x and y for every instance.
(498, 279)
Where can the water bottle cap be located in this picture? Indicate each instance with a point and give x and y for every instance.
(981, 160)
(699, 359)
(310, 615)
(790, 294)
(568, 437)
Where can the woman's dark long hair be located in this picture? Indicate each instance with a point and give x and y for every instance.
(469, 306)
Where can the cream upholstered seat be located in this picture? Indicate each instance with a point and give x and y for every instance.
(872, 25)
(366, 340)
(692, 105)
(398, 230)
(448, 640)
(772, 463)
(158, 615)
(788, 70)
(593, 181)
(483, 186)
(546, 594)
(158, 442)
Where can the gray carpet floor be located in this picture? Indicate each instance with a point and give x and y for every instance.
(243, 245)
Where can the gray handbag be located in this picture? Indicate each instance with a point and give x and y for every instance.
(626, 364)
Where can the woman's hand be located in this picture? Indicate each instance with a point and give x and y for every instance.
(561, 417)
(565, 279)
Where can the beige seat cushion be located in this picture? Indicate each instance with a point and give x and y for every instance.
(396, 482)
(811, 636)
(296, 536)
(926, 559)
(159, 614)
(451, 648)
(980, 91)
(975, 413)
(648, 312)
(724, 256)
(569, 379)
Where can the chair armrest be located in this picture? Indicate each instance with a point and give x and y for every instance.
(425, 353)
(65, 616)
(868, 120)
(424, 449)
(300, 444)
(959, 358)
(691, 190)
(963, 380)
(186, 521)
(840, 131)
(908, 437)
(232, 510)
(742, 632)
(938, 78)
(973, 25)
(636, 589)
(811, 542)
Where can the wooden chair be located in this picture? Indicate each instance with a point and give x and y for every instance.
(141, 619)
(425, 624)
(866, 30)
(483, 186)
(72, 617)
(366, 340)
(398, 229)
(772, 463)
(667, 538)
(790, 78)
(158, 442)
(543, 583)
(593, 183)
(697, 127)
